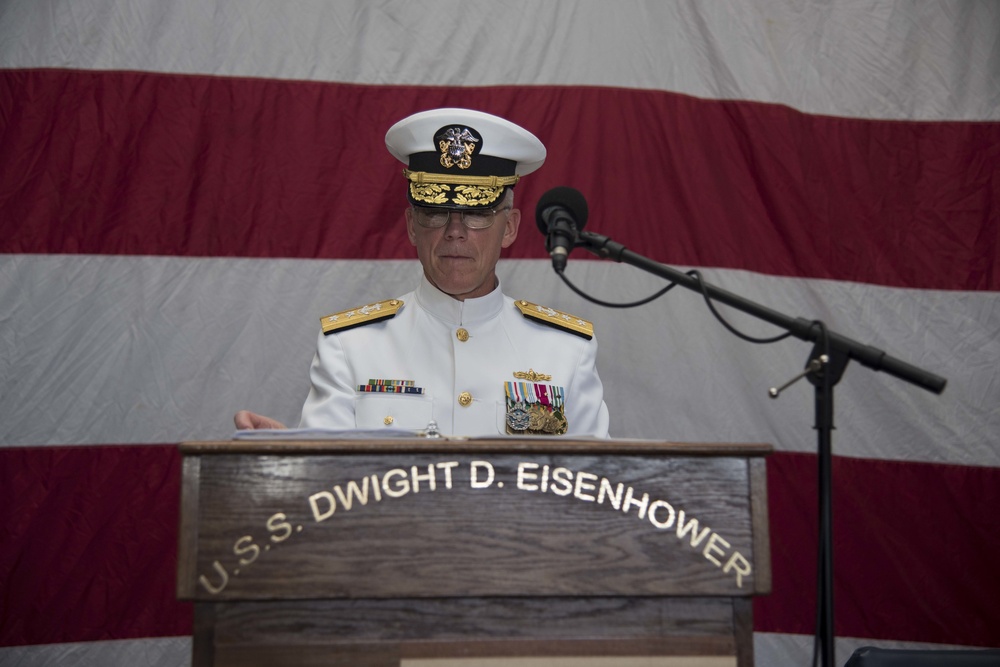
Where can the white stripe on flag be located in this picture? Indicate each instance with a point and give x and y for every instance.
(853, 58)
(110, 349)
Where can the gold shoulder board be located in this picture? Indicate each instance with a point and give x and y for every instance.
(357, 317)
(554, 318)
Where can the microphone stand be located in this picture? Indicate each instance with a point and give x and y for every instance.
(827, 361)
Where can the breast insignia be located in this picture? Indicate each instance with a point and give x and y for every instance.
(356, 317)
(554, 318)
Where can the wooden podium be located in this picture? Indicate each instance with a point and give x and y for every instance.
(473, 552)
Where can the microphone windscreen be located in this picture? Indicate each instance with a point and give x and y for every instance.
(565, 197)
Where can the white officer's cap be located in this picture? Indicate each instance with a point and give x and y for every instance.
(459, 158)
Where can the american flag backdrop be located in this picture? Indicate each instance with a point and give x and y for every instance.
(187, 186)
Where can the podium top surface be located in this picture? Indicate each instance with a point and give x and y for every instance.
(374, 445)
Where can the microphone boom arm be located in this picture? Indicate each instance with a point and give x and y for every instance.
(803, 329)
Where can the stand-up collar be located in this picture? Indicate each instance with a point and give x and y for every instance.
(453, 311)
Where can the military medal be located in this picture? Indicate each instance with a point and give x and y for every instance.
(518, 419)
(535, 409)
(537, 417)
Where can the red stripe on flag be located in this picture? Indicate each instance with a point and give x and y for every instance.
(915, 549)
(89, 547)
(140, 163)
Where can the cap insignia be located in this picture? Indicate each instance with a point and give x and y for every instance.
(457, 145)
(555, 318)
(356, 317)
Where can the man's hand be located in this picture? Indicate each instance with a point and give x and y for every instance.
(246, 420)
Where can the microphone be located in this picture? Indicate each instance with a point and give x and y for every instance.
(561, 214)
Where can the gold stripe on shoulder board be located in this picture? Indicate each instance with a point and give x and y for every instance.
(557, 319)
(356, 317)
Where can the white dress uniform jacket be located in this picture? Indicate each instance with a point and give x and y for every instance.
(422, 343)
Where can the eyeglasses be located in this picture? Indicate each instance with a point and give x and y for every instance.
(436, 218)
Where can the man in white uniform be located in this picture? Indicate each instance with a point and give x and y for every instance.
(457, 351)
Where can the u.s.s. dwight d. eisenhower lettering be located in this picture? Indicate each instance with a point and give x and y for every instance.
(531, 477)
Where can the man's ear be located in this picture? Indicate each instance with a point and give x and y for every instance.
(510, 229)
(409, 226)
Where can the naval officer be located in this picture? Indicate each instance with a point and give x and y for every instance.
(456, 352)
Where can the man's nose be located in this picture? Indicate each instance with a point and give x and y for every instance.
(455, 227)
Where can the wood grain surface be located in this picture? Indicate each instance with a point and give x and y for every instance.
(374, 553)
(422, 525)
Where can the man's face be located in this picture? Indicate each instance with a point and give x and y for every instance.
(461, 261)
